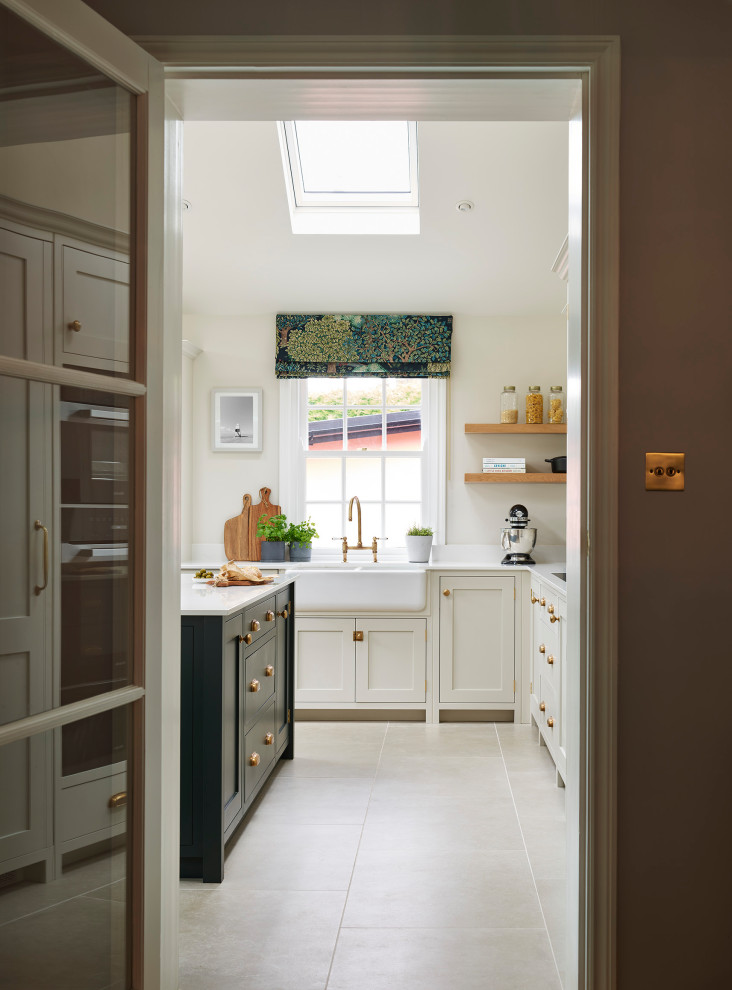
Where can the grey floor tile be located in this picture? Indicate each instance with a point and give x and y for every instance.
(257, 940)
(537, 796)
(316, 800)
(553, 899)
(455, 739)
(283, 856)
(546, 844)
(443, 959)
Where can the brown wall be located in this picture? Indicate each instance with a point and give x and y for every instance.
(675, 773)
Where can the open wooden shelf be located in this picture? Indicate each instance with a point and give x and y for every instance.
(515, 428)
(531, 478)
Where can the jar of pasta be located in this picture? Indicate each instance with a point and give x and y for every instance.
(509, 404)
(555, 412)
(534, 405)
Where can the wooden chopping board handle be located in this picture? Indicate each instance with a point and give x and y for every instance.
(264, 494)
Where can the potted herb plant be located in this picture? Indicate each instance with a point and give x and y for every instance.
(419, 544)
(272, 530)
(300, 536)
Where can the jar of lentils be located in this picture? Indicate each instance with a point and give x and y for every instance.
(509, 404)
(556, 404)
(534, 405)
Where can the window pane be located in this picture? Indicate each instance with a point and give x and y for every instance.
(363, 477)
(328, 522)
(403, 429)
(71, 930)
(325, 429)
(364, 430)
(323, 478)
(370, 523)
(354, 155)
(403, 391)
(398, 520)
(325, 391)
(363, 391)
(403, 478)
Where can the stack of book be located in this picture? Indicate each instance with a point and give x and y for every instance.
(504, 465)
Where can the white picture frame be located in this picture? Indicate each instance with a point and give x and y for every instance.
(236, 420)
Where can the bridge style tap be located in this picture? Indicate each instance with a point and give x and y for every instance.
(359, 545)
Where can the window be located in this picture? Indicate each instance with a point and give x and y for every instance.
(379, 439)
(351, 176)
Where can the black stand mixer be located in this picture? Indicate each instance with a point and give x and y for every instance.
(518, 538)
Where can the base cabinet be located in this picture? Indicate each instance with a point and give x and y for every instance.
(548, 689)
(361, 661)
(236, 722)
(477, 640)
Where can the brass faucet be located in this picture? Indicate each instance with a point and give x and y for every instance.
(359, 544)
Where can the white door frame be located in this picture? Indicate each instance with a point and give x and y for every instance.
(592, 382)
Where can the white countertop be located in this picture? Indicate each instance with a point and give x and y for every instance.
(204, 599)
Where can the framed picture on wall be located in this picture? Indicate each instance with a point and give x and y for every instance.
(236, 419)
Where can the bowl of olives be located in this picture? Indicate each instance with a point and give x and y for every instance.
(202, 576)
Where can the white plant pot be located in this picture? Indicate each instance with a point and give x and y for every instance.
(419, 549)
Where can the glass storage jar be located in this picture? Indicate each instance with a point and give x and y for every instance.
(509, 404)
(534, 405)
(555, 412)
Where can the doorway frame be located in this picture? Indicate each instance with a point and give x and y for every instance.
(592, 495)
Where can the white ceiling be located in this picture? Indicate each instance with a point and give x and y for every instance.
(240, 256)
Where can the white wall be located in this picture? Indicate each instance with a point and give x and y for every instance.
(237, 350)
(488, 352)
(186, 458)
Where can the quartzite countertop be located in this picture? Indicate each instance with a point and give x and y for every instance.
(205, 599)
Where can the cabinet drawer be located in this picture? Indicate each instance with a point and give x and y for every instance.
(259, 620)
(259, 678)
(84, 808)
(551, 712)
(259, 750)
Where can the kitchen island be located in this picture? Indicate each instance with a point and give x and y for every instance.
(237, 683)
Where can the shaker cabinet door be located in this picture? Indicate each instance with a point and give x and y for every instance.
(324, 660)
(390, 660)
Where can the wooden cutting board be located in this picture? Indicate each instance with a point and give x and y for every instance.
(236, 533)
(262, 508)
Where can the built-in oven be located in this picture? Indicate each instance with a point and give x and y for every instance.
(94, 449)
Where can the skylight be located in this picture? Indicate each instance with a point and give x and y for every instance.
(351, 176)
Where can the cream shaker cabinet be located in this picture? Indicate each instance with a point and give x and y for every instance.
(362, 661)
(477, 640)
(548, 681)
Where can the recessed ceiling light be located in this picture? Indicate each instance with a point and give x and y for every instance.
(464, 206)
(187, 205)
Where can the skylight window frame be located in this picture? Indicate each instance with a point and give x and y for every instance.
(303, 201)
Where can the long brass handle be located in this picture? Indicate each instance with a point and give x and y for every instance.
(254, 626)
(254, 685)
(554, 618)
(542, 648)
(254, 760)
(269, 739)
(446, 592)
(118, 800)
(550, 722)
(269, 617)
(269, 670)
(75, 326)
(42, 587)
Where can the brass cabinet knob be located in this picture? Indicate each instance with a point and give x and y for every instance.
(254, 760)
(254, 685)
(118, 800)
(542, 602)
(254, 626)
(550, 609)
(554, 618)
(542, 706)
(446, 592)
(269, 670)
(550, 659)
(534, 600)
(283, 613)
(269, 617)
(75, 326)
(542, 648)
(269, 739)
(550, 722)
(245, 639)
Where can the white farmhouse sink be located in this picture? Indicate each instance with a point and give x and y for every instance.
(349, 589)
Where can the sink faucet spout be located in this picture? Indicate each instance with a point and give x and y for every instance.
(359, 544)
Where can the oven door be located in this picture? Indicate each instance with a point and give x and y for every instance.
(94, 451)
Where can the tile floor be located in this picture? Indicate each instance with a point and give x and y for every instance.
(390, 856)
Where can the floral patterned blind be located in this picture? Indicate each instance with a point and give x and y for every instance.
(331, 346)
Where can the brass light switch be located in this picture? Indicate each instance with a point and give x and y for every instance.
(665, 472)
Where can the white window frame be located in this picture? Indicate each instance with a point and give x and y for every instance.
(293, 455)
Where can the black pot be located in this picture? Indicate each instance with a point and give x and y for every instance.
(559, 464)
